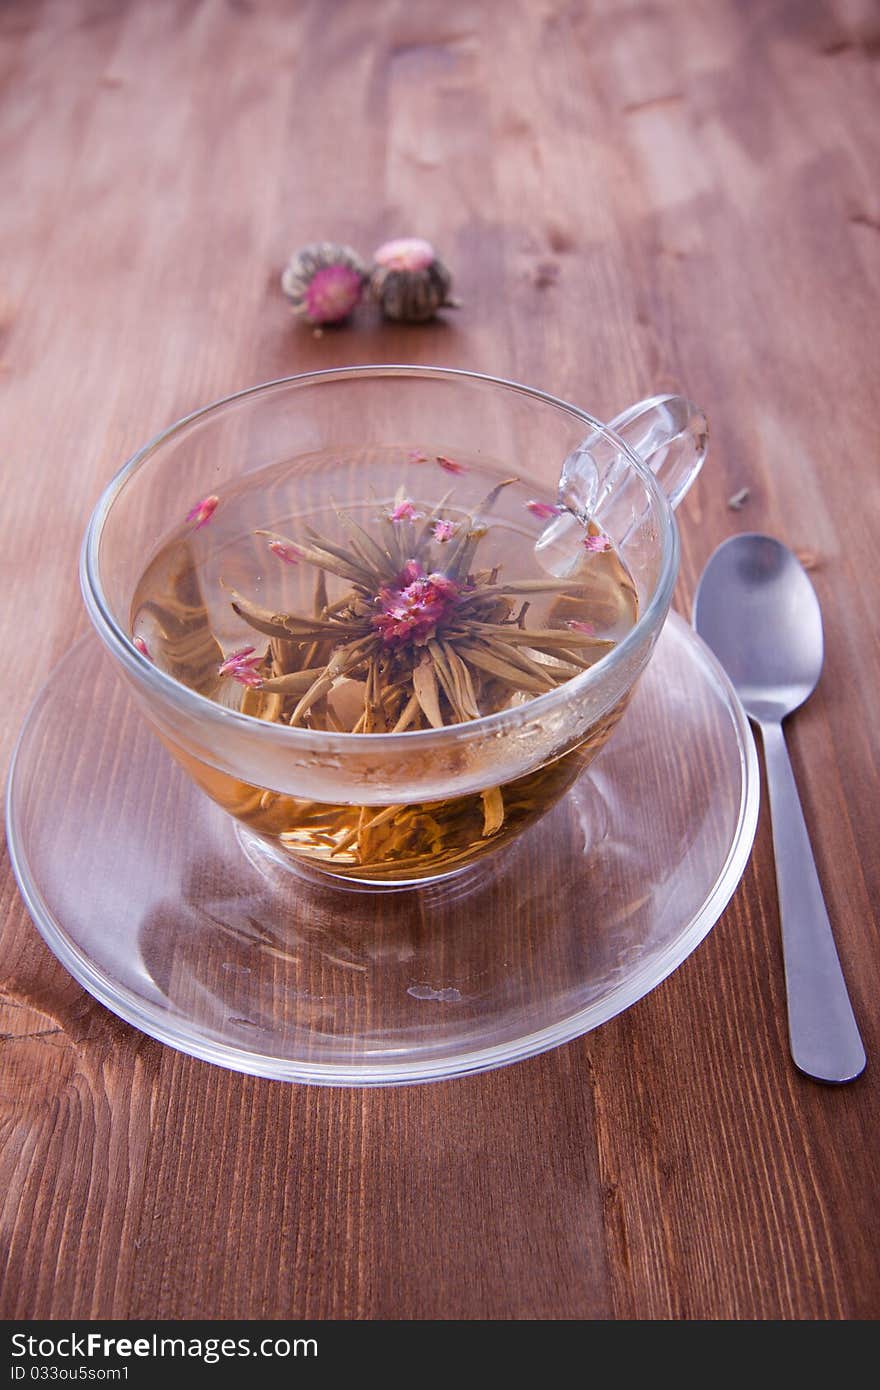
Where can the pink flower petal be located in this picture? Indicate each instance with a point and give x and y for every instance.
(332, 293)
(236, 659)
(405, 511)
(588, 629)
(411, 571)
(142, 647)
(444, 530)
(246, 676)
(288, 553)
(412, 609)
(598, 544)
(405, 253)
(449, 465)
(242, 666)
(202, 512)
(543, 510)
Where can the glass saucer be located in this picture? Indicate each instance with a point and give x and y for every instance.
(139, 885)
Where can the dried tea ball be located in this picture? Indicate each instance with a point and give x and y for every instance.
(324, 282)
(408, 280)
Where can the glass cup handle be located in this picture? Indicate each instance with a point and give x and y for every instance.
(671, 435)
(597, 482)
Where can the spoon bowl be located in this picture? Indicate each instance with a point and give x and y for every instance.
(758, 611)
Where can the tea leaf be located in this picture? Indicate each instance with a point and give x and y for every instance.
(534, 637)
(493, 811)
(294, 683)
(377, 561)
(410, 710)
(424, 681)
(326, 556)
(503, 670)
(465, 697)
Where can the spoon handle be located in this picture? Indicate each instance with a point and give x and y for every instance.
(822, 1029)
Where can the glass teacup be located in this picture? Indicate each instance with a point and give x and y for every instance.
(383, 808)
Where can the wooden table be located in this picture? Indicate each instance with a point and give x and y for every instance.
(634, 197)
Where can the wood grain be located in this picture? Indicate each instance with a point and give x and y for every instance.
(634, 197)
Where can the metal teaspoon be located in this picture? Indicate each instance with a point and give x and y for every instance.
(758, 611)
